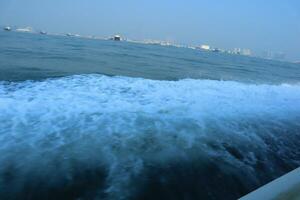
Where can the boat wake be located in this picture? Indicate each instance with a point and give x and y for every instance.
(100, 137)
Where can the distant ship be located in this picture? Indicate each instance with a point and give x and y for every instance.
(116, 38)
(27, 29)
(72, 35)
(216, 50)
(43, 32)
(7, 28)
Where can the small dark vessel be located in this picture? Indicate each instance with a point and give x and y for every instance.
(117, 38)
(7, 28)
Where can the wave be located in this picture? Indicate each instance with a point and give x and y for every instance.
(94, 136)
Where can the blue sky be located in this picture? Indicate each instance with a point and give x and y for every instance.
(256, 24)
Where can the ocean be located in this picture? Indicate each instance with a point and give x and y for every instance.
(95, 119)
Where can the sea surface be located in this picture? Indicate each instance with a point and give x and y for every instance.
(85, 119)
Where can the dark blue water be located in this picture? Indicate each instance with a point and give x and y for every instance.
(94, 119)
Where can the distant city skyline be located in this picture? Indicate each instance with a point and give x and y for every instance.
(240, 51)
(256, 25)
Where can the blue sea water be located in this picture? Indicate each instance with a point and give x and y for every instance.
(96, 119)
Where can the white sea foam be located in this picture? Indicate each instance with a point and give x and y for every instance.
(124, 123)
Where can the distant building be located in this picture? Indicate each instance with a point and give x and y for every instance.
(246, 52)
(267, 54)
(273, 55)
(239, 51)
(165, 43)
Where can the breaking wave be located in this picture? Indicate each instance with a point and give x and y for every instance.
(100, 137)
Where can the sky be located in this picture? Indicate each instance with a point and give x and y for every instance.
(260, 25)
